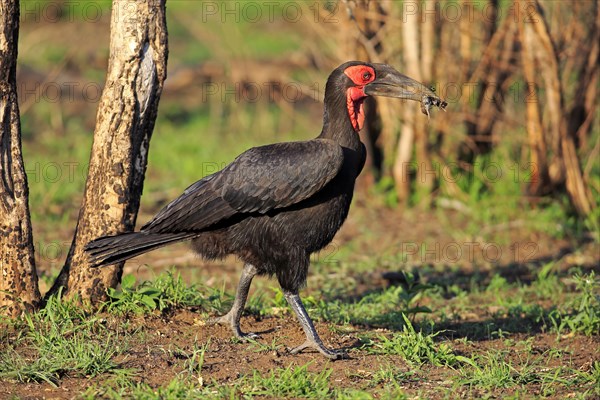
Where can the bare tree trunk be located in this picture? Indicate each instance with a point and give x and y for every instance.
(494, 71)
(426, 177)
(428, 44)
(466, 44)
(364, 45)
(537, 143)
(581, 113)
(18, 278)
(401, 170)
(125, 120)
(566, 162)
(576, 188)
(446, 69)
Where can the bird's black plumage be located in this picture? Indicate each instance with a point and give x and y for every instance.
(273, 205)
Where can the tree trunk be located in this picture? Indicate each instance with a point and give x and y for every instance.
(125, 120)
(540, 181)
(566, 161)
(426, 178)
(581, 113)
(401, 170)
(364, 45)
(494, 72)
(18, 278)
(576, 187)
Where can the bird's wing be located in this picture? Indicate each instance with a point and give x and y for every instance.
(279, 175)
(259, 180)
(198, 207)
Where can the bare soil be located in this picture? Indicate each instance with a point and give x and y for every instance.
(159, 357)
(226, 360)
(375, 235)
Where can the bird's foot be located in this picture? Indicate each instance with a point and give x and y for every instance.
(246, 336)
(329, 353)
(228, 319)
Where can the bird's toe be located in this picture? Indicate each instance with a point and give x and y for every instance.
(223, 320)
(228, 319)
(338, 354)
(327, 352)
(247, 336)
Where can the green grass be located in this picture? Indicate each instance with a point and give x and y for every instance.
(487, 333)
(384, 308)
(289, 382)
(166, 291)
(61, 340)
(271, 302)
(581, 314)
(416, 348)
(66, 341)
(493, 371)
(491, 196)
(178, 388)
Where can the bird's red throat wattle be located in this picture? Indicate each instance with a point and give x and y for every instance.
(354, 101)
(360, 75)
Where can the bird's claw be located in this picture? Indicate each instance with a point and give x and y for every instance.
(246, 336)
(329, 353)
(227, 319)
(222, 320)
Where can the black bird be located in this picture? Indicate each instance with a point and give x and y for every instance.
(274, 205)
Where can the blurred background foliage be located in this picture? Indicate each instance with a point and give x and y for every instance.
(518, 146)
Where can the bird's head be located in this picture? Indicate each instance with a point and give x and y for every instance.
(358, 80)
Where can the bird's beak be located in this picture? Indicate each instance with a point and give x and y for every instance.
(391, 83)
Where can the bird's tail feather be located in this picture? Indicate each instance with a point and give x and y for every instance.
(108, 250)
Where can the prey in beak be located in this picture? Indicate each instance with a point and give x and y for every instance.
(391, 83)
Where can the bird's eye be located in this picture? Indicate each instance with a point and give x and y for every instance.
(367, 76)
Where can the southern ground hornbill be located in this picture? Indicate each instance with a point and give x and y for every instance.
(274, 205)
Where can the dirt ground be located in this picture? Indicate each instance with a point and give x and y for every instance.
(388, 240)
(227, 360)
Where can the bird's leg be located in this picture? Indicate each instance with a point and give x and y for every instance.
(232, 318)
(312, 337)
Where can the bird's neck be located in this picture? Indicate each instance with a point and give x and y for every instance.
(337, 125)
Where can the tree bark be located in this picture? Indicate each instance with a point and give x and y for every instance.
(365, 45)
(494, 71)
(540, 181)
(426, 178)
(18, 279)
(581, 113)
(566, 161)
(577, 189)
(125, 120)
(401, 170)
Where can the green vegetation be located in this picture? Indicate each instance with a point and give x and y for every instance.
(167, 291)
(523, 324)
(582, 313)
(64, 341)
(290, 382)
(415, 347)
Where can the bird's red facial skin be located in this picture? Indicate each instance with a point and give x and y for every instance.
(360, 76)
